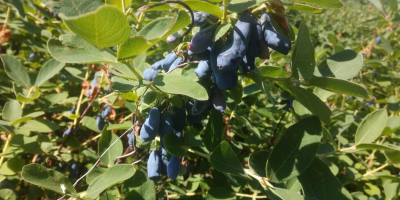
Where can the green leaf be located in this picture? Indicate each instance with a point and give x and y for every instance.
(312, 103)
(203, 6)
(319, 182)
(105, 141)
(340, 86)
(306, 8)
(69, 48)
(16, 71)
(192, 138)
(111, 177)
(139, 187)
(303, 60)
(26, 118)
(118, 3)
(241, 5)
(213, 132)
(377, 4)
(173, 145)
(5, 127)
(161, 28)
(256, 77)
(124, 126)
(237, 93)
(72, 7)
(12, 166)
(156, 30)
(284, 194)
(222, 29)
(345, 64)
(393, 156)
(17, 4)
(40, 125)
(373, 146)
(7, 194)
(393, 4)
(270, 71)
(371, 126)
(324, 3)
(12, 110)
(172, 84)
(225, 160)
(132, 47)
(258, 162)
(392, 125)
(105, 27)
(90, 123)
(96, 172)
(47, 178)
(49, 69)
(35, 95)
(216, 193)
(295, 150)
(386, 45)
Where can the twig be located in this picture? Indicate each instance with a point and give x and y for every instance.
(140, 160)
(272, 141)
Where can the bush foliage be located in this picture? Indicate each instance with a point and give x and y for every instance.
(273, 99)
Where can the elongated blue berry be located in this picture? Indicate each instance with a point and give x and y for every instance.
(154, 165)
(203, 69)
(106, 111)
(100, 121)
(167, 62)
(273, 39)
(173, 167)
(149, 74)
(150, 127)
(175, 64)
(166, 124)
(235, 48)
(203, 39)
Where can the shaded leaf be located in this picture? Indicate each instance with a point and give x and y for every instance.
(112, 176)
(16, 71)
(213, 132)
(173, 145)
(46, 178)
(224, 159)
(345, 64)
(49, 69)
(319, 182)
(295, 150)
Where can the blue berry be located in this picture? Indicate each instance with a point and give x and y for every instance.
(149, 74)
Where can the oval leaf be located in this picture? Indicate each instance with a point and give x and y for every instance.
(295, 150)
(340, 86)
(112, 176)
(12, 110)
(49, 69)
(16, 71)
(47, 178)
(70, 48)
(225, 160)
(371, 126)
(345, 64)
(319, 182)
(173, 145)
(172, 84)
(303, 60)
(105, 141)
(105, 27)
(312, 103)
(258, 162)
